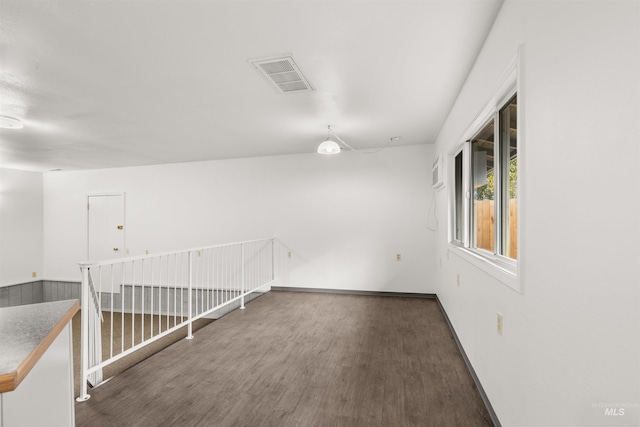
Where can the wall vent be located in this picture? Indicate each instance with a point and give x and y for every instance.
(282, 73)
(438, 173)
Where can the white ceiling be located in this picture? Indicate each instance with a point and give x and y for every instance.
(123, 83)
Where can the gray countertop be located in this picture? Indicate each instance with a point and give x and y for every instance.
(24, 331)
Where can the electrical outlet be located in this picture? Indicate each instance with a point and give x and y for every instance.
(458, 279)
(398, 257)
(127, 251)
(199, 253)
(146, 251)
(289, 254)
(34, 274)
(500, 324)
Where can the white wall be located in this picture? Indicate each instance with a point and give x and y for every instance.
(571, 344)
(344, 217)
(21, 226)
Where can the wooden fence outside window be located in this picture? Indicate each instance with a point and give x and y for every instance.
(485, 224)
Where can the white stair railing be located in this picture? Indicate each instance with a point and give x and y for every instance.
(131, 302)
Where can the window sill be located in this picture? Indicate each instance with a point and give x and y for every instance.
(505, 273)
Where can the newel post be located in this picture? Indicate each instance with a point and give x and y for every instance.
(84, 333)
(190, 297)
(242, 266)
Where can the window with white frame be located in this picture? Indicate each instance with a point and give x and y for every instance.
(458, 222)
(485, 186)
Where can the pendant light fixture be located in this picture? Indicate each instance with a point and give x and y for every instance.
(7, 122)
(329, 146)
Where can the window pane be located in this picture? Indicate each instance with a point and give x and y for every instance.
(483, 179)
(459, 200)
(509, 174)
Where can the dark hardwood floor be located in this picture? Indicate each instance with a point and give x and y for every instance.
(301, 359)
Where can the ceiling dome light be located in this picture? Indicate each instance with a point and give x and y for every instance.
(10, 123)
(328, 147)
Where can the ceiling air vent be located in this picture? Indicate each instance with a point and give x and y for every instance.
(282, 73)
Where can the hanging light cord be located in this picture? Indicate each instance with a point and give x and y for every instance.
(434, 205)
(360, 151)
